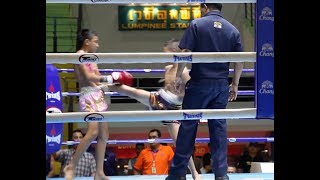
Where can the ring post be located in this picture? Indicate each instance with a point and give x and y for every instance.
(264, 46)
(54, 131)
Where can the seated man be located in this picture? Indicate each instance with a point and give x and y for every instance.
(165, 98)
(87, 162)
(252, 154)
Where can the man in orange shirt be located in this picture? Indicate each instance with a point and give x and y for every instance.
(154, 160)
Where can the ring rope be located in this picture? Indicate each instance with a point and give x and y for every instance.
(147, 1)
(183, 57)
(139, 70)
(198, 140)
(241, 93)
(156, 115)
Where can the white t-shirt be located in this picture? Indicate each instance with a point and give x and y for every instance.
(131, 163)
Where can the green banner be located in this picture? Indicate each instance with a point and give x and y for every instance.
(156, 17)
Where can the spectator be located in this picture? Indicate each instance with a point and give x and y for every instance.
(207, 162)
(55, 167)
(271, 152)
(109, 163)
(48, 164)
(132, 161)
(121, 170)
(154, 159)
(87, 162)
(232, 164)
(252, 154)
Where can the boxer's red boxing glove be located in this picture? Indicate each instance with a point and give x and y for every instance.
(118, 78)
(122, 78)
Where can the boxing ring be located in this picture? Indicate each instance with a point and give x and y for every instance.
(263, 57)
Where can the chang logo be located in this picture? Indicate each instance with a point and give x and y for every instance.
(266, 14)
(93, 117)
(192, 116)
(88, 58)
(266, 88)
(266, 50)
(182, 58)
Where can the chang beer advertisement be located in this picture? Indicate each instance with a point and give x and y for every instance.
(156, 17)
(264, 90)
(54, 131)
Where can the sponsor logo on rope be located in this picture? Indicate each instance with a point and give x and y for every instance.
(266, 87)
(232, 139)
(94, 1)
(266, 14)
(86, 58)
(266, 50)
(182, 58)
(53, 110)
(152, 140)
(200, 1)
(270, 139)
(93, 117)
(192, 116)
(203, 120)
(112, 141)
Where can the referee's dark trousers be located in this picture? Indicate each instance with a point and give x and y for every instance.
(202, 94)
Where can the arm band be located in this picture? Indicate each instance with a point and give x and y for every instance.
(104, 79)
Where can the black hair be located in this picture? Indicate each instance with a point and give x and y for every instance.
(155, 130)
(83, 35)
(74, 131)
(139, 144)
(78, 130)
(212, 6)
(254, 144)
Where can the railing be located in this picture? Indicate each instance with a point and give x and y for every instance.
(61, 34)
(249, 11)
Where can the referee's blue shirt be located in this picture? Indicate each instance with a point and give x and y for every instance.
(211, 33)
